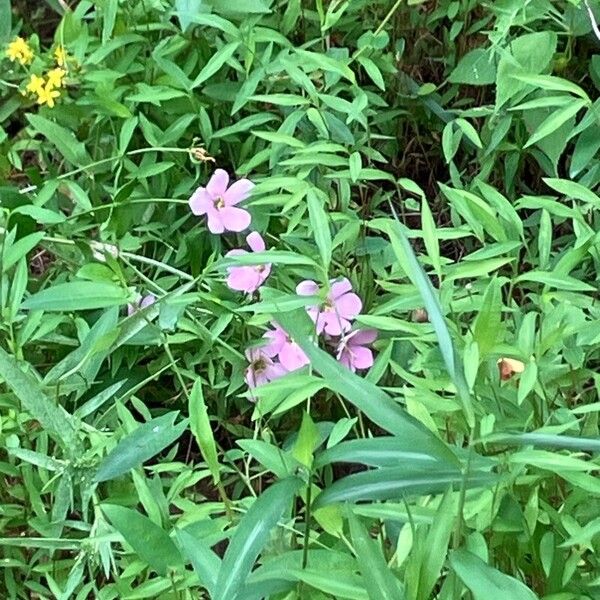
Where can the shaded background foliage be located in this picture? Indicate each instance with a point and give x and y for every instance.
(442, 155)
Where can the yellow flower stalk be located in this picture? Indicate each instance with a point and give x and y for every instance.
(60, 56)
(19, 50)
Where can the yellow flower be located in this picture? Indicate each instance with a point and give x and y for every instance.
(19, 50)
(56, 76)
(35, 85)
(61, 56)
(47, 95)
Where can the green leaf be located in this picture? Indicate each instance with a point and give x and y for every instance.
(572, 189)
(551, 123)
(306, 442)
(561, 282)
(366, 396)
(250, 537)
(555, 84)
(429, 228)
(77, 295)
(408, 260)
(149, 541)
(488, 323)
(394, 483)
(5, 21)
(109, 10)
(205, 562)
(20, 248)
(378, 578)
(140, 445)
(580, 444)
(373, 71)
(33, 399)
(477, 67)
(200, 426)
(344, 585)
(63, 139)
(216, 61)
(319, 223)
(486, 582)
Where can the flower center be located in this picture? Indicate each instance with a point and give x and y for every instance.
(219, 202)
(259, 365)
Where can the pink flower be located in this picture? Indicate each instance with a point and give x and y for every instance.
(261, 368)
(340, 307)
(218, 203)
(248, 278)
(291, 356)
(353, 351)
(141, 303)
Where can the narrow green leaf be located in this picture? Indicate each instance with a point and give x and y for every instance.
(200, 426)
(486, 582)
(551, 123)
(215, 62)
(319, 222)
(205, 562)
(377, 576)
(250, 537)
(77, 295)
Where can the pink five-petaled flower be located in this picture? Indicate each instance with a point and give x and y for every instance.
(248, 278)
(353, 351)
(218, 203)
(140, 303)
(261, 368)
(291, 356)
(340, 307)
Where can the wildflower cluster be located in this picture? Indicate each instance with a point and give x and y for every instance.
(19, 51)
(333, 317)
(46, 87)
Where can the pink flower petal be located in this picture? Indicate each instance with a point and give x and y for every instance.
(264, 273)
(236, 252)
(362, 337)
(362, 357)
(217, 184)
(345, 359)
(307, 288)
(255, 241)
(274, 371)
(147, 300)
(292, 357)
(254, 379)
(200, 202)
(339, 288)
(234, 219)
(215, 222)
(253, 354)
(243, 279)
(348, 306)
(238, 191)
(333, 324)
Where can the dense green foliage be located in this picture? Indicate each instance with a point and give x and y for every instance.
(441, 156)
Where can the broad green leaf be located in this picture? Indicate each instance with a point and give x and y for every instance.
(205, 562)
(63, 139)
(486, 582)
(78, 295)
(51, 417)
(202, 430)
(250, 537)
(306, 441)
(366, 396)
(148, 540)
(380, 582)
(5, 20)
(477, 67)
(140, 445)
